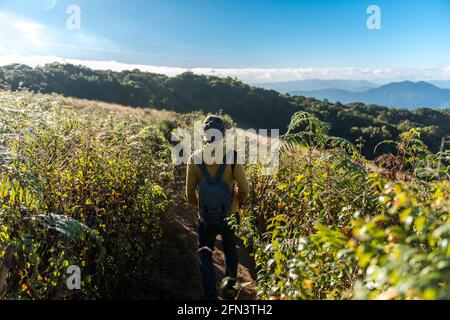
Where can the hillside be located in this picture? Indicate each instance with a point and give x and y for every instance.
(250, 107)
(92, 184)
(95, 188)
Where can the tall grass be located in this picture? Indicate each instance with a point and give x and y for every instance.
(79, 185)
(325, 227)
(86, 183)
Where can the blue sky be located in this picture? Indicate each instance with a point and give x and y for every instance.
(233, 33)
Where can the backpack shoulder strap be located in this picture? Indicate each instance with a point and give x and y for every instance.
(203, 169)
(234, 162)
(222, 168)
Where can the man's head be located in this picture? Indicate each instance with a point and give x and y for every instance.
(212, 126)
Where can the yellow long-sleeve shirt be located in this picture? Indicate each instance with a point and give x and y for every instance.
(233, 178)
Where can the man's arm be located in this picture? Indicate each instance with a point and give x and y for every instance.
(242, 183)
(192, 181)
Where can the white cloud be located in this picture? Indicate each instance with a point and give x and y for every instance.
(29, 31)
(22, 36)
(34, 61)
(17, 33)
(252, 75)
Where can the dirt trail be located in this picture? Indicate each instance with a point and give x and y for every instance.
(180, 277)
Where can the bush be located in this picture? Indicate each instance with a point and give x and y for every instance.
(83, 187)
(324, 227)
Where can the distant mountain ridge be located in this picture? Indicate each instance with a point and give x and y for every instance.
(406, 94)
(443, 84)
(318, 84)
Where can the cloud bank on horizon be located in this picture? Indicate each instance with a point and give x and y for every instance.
(251, 75)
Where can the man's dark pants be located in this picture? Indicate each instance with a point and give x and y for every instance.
(206, 238)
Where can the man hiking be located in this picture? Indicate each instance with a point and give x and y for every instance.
(211, 180)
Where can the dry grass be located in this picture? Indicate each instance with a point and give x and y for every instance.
(93, 105)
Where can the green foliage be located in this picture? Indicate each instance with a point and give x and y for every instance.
(249, 106)
(86, 184)
(404, 250)
(79, 186)
(324, 227)
(413, 156)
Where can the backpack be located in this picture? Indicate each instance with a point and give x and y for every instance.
(214, 200)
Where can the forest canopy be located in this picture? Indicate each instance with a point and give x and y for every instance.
(249, 106)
